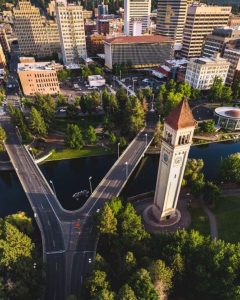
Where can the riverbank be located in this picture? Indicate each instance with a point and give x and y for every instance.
(78, 153)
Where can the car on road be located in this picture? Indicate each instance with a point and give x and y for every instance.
(90, 260)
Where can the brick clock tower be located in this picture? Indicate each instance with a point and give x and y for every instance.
(177, 138)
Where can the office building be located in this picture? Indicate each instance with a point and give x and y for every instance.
(30, 29)
(136, 10)
(234, 20)
(38, 77)
(2, 57)
(232, 54)
(4, 40)
(138, 51)
(201, 72)
(95, 44)
(200, 21)
(171, 16)
(71, 31)
(217, 40)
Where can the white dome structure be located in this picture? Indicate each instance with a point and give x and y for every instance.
(228, 117)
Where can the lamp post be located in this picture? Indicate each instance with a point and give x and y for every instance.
(146, 140)
(53, 186)
(90, 183)
(126, 164)
(118, 149)
(133, 84)
(159, 116)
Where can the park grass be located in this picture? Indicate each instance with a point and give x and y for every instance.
(227, 212)
(77, 153)
(83, 122)
(199, 220)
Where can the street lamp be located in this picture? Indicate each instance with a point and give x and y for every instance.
(53, 186)
(90, 183)
(133, 84)
(159, 116)
(146, 140)
(118, 149)
(126, 164)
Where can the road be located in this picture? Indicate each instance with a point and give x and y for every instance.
(68, 249)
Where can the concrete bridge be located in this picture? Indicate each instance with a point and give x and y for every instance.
(68, 248)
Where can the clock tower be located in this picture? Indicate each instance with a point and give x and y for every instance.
(177, 138)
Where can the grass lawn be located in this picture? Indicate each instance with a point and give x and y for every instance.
(227, 212)
(199, 220)
(76, 153)
(84, 122)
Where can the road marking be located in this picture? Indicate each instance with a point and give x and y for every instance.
(42, 206)
(48, 223)
(55, 252)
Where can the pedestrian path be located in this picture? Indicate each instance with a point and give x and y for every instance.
(212, 220)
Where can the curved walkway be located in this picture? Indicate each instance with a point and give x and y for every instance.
(212, 220)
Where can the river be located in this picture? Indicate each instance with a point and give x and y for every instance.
(70, 176)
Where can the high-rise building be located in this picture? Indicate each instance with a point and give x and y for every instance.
(136, 10)
(30, 28)
(4, 41)
(202, 71)
(71, 31)
(216, 41)
(171, 17)
(232, 54)
(200, 21)
(2, 57)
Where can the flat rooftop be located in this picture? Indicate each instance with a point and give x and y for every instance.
(139, 39)
(36, 66)
(208, 60)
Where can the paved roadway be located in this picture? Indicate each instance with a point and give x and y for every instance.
(69, 250)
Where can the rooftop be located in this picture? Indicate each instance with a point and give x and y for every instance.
(228, 112)
(181, 117)
(139, 39)
(209, 60)
(36, 66)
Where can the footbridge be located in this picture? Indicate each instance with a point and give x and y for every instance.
(68, 248)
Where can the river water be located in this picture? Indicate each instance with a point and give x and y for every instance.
(71, 176)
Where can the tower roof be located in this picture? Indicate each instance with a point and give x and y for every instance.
(181, 116)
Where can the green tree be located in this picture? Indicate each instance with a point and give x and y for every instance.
(193, 170)
(184, 89)
(208, 126)
(195, 94)
(131, 228)
(173, 99)
(229, 170)
(72, 111)
(21, 221)
(97, 282)
(46, 105)
(83, 103)
(91, 135)
(105, 294)
(107, 222)
(161, 277)
(122, 98)
(148, 93)
(2, 95)
(211, 192)
(236, 89)
(126, 293)
(136, 116)
(116, 205)
(112, 138)
(37, 122)
(215, 93)
(73, 137)
(2, 138)
(142, 285)
(122, 141)
(158, 134)
(129, 261)
(226, 94)
(62, 100)
(63, 74)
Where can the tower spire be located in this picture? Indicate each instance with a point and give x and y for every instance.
(181, 116)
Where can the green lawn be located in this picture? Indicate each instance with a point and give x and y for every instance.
(227, 212)
(199, 220)
(84, 122)
(76, 153)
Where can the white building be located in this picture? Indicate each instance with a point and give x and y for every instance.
(201, 72)
(136, 10)
(71, 31)
(96, 80)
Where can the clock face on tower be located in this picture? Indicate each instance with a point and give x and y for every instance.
(165, 157)
(178, 160)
